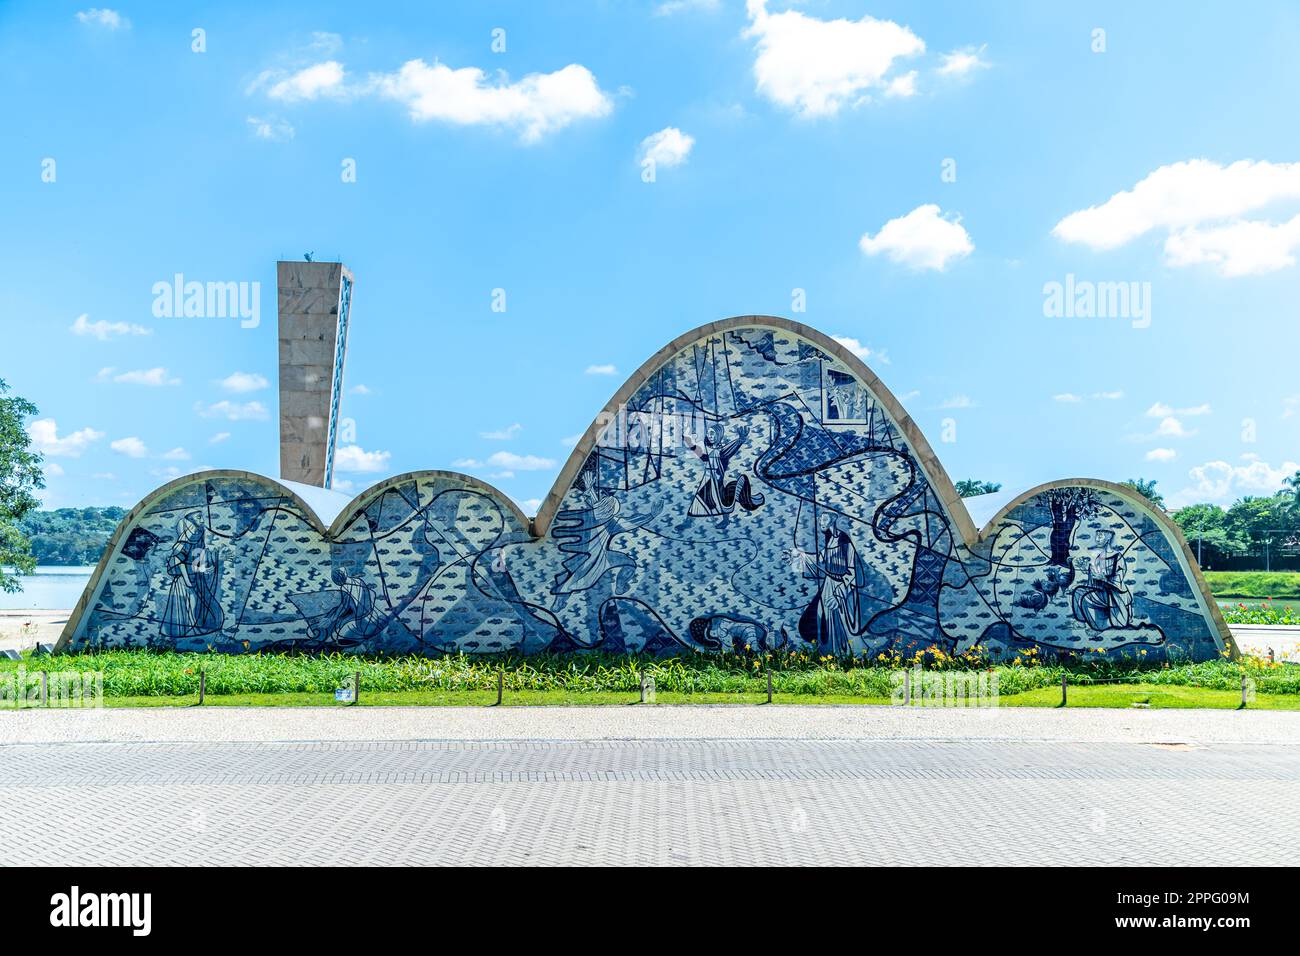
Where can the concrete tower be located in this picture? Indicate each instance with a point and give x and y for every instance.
(314, 301)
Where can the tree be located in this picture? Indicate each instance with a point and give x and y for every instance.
(20, 475)
(970, 487)
(1293, 484)
(1205, 527)
(1068, 506)
(1147, 489)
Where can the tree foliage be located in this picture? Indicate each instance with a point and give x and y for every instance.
(71, 536)
(970, 487)
(20, 478)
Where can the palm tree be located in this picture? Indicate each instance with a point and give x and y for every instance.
(1147, 489)
(1294, 484)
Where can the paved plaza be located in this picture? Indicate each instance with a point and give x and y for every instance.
(890, 787)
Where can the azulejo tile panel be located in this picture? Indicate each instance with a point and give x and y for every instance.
(752, 492)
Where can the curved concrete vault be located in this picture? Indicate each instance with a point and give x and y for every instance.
(753, 485)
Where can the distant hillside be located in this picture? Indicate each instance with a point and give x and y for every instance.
(70, 536)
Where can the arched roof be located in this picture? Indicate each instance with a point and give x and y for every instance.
(910, 431)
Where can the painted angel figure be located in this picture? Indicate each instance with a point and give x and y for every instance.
(586, 536)
(717, 496)
(1102, 601)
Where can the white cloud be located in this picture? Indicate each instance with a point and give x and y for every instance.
(355, 458)
(104, 476)
(343, 485)
(1239, 248)
(958, 401)
(153, 377)
(103, 17)
(1290, 405)
(815, 67)
(861, 351)
(538, 104)
(530, 505)
(960, 63)
(272, 128)
(45, 436)
(242, 382)
(359, 389)
(1161, 454)
(902, 86)
(309, 83)
(176, 454)
(132, 447)
(1171, 427)
(53, 469)
(669, 147)
(922, 239)
(1200, 205)
(104, 330)
(570, 441)
(503, 434)
(1096, 396)
(670, 7)
(1219, 481)
(507, 460)
(1161, 410)
(601, 370)
(218, 438)
(233, 411)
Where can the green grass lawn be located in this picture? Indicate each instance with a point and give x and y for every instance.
(1254, 584)
(148, 679)
(1110, 695)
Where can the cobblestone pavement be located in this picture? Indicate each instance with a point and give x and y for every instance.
(680, 721)
(650, 801)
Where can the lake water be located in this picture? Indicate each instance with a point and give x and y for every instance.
(49, 588)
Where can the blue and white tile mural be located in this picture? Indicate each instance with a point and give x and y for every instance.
(752, 492)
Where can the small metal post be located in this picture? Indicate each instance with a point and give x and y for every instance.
(1243, 690)
(501, 684)
(769, 685)
(356, 688)
(45, 689)
(907, 688)
(1064, 697)
(203, 685)
(1271, 658)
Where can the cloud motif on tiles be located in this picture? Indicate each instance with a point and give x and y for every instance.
(921, 239)
(1200, 205)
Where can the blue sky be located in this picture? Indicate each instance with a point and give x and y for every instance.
(808, 147)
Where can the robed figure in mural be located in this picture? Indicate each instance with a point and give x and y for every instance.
(717, 496)
(1102, 601)
(193, 606)
(839, 612)
(349, 616)
(586, 536)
